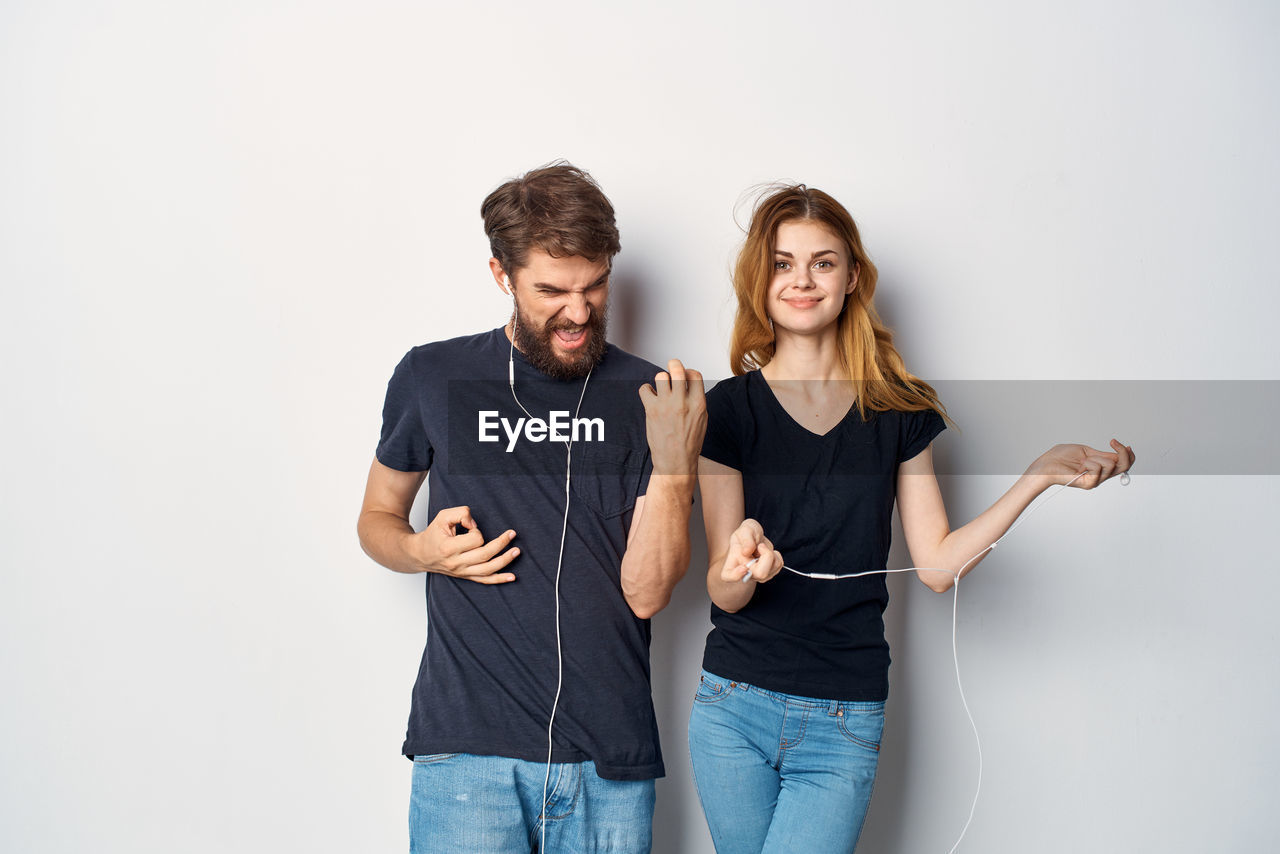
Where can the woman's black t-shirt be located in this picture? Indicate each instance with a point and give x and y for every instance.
(826, 503)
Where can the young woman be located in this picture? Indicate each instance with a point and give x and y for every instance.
(807, 447)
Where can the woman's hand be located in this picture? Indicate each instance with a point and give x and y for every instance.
(747, 544)
(1080, 465)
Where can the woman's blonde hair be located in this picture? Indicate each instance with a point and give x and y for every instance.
(880, 379)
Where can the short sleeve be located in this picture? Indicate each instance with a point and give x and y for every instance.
(404, 445)
(918, 430)
(722, 443)
(645, 475)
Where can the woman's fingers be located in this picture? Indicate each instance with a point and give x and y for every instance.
(767, 563)
(777, 564)
(1125, 456)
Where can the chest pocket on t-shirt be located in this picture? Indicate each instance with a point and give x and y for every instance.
(606, 477)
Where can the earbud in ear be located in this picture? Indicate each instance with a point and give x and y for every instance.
(507, 281)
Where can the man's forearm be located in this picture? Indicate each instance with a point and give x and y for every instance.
(658, 551)
(382, 536)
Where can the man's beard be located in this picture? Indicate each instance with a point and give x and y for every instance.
(537, 347)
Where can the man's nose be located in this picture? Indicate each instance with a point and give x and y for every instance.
(578, 309)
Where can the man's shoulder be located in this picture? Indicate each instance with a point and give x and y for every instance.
(427, 370)
(462, 346)
(619, 364)
(458, 356)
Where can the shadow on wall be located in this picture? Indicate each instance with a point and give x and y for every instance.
(679, 634)
(624, 310)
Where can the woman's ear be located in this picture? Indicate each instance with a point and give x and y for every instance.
(853, 278)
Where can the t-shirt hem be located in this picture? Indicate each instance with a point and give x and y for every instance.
(393, 462)
(631, 772)
(932, 431)
(605, 770)
(867, 693)
(718, 456)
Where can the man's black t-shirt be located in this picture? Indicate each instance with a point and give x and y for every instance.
(826, 503)
(488, 674)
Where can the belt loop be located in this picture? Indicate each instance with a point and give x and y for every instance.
(834, 708)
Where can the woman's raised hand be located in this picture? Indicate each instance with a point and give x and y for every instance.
(1082, 466)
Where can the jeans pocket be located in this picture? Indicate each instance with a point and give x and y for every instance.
(431, 758)
(862, 724)
(710, 690)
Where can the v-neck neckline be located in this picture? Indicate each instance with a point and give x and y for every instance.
(778, 403)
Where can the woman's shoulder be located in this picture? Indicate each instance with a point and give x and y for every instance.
(730, 395)
(911, 430)
(733, 386)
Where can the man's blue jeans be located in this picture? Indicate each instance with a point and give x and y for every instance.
(465, 804)
(782, 773)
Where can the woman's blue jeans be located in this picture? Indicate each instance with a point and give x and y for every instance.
(782, 773)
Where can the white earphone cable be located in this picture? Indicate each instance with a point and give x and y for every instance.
(955, 618)
(955, 604)
(564, 528)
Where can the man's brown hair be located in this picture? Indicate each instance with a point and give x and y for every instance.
(557, 208)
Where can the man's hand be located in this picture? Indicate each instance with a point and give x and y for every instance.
(675, 409)
(675, 412)
(440, 548)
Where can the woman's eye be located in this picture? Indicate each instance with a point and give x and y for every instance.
(780, 265)
(823, 264)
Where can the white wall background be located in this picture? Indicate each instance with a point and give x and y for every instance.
(223, 223)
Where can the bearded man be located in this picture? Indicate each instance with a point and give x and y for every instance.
(532, 725)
